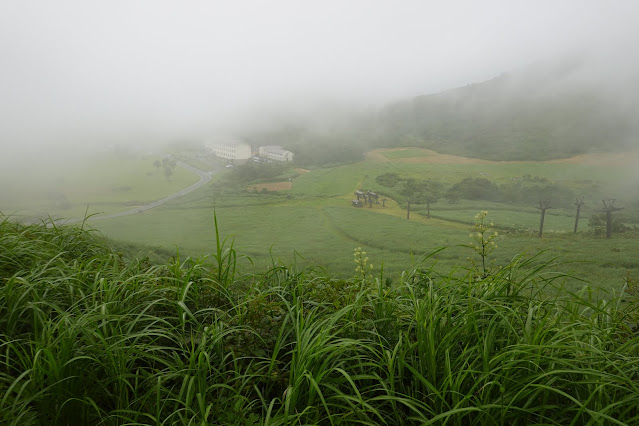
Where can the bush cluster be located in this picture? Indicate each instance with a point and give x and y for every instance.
(251, 172)
(526, 190)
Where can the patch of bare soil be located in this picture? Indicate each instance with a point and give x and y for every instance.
(272, 186)
(428, 157)
(431, 157)
(299, 170)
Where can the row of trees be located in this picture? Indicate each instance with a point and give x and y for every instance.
(413, 190)
(421, 192)
(525, 190)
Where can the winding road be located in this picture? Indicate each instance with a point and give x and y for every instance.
(205, 177)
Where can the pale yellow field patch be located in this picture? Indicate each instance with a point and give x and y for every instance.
(432, 157)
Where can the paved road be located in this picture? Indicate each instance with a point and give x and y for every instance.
(205, 177)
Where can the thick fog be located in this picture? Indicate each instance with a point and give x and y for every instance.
(81, 74)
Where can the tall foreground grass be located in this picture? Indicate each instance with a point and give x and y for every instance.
(87, 337)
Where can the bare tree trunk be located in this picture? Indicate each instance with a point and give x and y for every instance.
(579, 203)
(541, 223)
(543, 206)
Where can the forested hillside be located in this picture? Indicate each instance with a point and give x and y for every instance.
(541, 112)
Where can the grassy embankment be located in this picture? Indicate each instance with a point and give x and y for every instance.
(319, 224)
(88, 337)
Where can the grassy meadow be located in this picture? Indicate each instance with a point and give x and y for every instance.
(104, 183)
(275, 310)
(89, 337)
(314, 225)
(317, 226)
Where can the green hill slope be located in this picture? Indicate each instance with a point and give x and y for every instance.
(541, 112)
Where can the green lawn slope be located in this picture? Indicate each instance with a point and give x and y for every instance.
(317, 225)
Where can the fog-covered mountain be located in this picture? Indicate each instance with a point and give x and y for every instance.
(546, 110)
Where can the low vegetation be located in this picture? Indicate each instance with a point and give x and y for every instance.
(88, 336)
(105, 183)
(521, 190)
(311, 222)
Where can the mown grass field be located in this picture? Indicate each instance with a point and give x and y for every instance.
(405, 153)
(104, 183)
(318, 226)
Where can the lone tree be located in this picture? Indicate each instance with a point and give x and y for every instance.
(411, 190)
(169, 165)
(431, 193)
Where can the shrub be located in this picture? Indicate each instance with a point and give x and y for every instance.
(477, 189)
(388, 180)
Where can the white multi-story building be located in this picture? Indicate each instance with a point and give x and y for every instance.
(275, 152)
(230, 150)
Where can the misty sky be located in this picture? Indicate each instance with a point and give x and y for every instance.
(94, 72)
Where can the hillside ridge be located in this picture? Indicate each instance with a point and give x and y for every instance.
(537, 113)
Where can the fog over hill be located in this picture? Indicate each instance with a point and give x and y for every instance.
(576, 103)
(549, 109)
(78, 75)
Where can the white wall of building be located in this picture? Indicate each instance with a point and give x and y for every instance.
(275, 152)
(230, 150)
